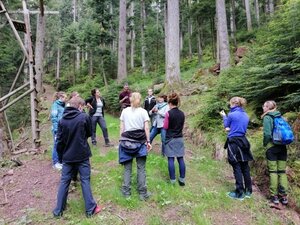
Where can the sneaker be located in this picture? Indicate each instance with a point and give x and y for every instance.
(97, 209)
(57, 166)
(234, 195)
(275, 199)
(108, 144)
(283, 199)
(145, 197)
(181, 183)
(57, 215)
(248, 194)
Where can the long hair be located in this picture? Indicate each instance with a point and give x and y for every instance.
(174, 99)
(135, 99)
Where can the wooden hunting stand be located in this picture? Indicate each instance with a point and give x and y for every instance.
(23, 26)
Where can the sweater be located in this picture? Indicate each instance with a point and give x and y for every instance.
(268, 127)
(74, 129)
(237, 120)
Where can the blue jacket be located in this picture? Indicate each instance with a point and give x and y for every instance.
(74, 129)
(57, 110)
(237, 120)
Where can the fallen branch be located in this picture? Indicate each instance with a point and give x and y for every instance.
(17, 145)
(19, 151)
(5, 197)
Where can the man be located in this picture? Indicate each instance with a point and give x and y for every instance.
(74, 152)
(124, 97)
(149, 103)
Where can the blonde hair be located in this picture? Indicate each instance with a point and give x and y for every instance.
(135, 99)
(238, 101)
(271, 105)
(58, 95)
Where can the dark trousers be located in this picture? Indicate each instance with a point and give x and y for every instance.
(241, 171)
(171, 167)
(67, 173)
(101, 121)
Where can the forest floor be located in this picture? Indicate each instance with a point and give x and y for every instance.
(31, 190)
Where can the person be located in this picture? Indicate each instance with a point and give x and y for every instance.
(174, 144)
(57, 110)
(238, 147)
(149, 103)
(124, 97)
(159, 111)
(73, 94)
(276, 156)
(96, 105)
(134, 143)
(74, 152)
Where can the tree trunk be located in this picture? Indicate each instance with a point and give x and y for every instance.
(173, 66)
(132, 35)
(223, 35)
(122, 65)
(166, 34)
(91, 64)
(248, 15)
(232, 22)
(256, 4)
(58, 69)
(39, 51)
(111, 30)
(217, 40)
(199, 44)
(190, 32)
(271, 6)
(213, 37)
(143, 22)
(267, 7)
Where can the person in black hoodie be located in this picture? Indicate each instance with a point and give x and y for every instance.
(74, 152)
(96, 105)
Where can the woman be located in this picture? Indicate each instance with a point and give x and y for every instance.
(174, 145)
(57, 110)
(276, 156)
(134, 143)
(158, 112)
(238, 147)
(96, 105)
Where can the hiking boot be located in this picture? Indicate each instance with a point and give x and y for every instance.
(145, 197)
(108, 144)
(248, 194)
(57, 166)
(234, 195)
(283, 199)
(275, 199)
(58, 215)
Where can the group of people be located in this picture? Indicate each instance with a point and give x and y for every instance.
(71, 128)
(239, 153)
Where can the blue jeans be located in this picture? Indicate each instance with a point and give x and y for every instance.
(101, 121)
(68, 169)
(171, 168)
(162, 132)
(54, 152)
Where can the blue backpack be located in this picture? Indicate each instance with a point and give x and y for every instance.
(282, 132)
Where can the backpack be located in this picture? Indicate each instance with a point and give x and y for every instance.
(282, 132)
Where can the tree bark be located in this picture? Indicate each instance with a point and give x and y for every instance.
(143, 22)
(199, 44)
(271, 6)
(166, 34)
(223, 35)
(91, 64)
(57, 77)
(248, 15)
(122, 65)
(232, 22)
(190, 32)
(132, 35)
(173, 66)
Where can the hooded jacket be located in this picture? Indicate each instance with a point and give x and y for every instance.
(268, 122)
(74, 129)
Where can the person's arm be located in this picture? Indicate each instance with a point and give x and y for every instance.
(54, 116)
(267, 129)
(122, 127)
(146, 125)
(162, 112)
(88, 126)
(226, 120)
(166, 121)
(88, 102)
(121, 98)
(60, 145)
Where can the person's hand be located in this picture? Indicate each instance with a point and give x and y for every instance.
(125, 97)
(89, 106)
(227, 129)
(222, 113)
(149, 146)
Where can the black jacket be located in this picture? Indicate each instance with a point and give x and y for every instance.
(238, 149)
(148, 106)
(74, 129)
(92, 100)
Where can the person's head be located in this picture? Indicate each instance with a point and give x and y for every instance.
(95, 92)
(269, 105)
(62, 96)
(74, 94)
(135, 99)
(173, 99)
(162, 98)
(237, 101)
(150, 92)
(77, 103)
(126, 87)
